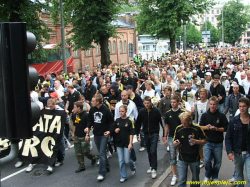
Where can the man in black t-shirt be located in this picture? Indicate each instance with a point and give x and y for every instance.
(188, 138)
(172, 120)
(72, 98)
(82, 146)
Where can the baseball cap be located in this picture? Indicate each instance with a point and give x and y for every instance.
(129, 87)
(65, 90)
(198, 83)
(194, 71)
(223, 74)
(88, 79)
(208, 74)
(54, 94)
(51, 89)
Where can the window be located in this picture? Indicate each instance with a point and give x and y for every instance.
(120, 46)
(76, 54)
(147, 47)
(248, 26)
(248, 34)
(218, 11)
(140, 48)
(97, 49)
(212, 11)
(212, 19)
(208, 18)
(125, 46)
(114, 47)
(109, 44)
(202, 19)
(89, 52)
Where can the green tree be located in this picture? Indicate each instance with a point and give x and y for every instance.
(235, 16)
(162, 19)
(91, 21)
(28, 11)
(193, 34)
(214, 38)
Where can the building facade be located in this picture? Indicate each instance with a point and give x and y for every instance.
(118, 46)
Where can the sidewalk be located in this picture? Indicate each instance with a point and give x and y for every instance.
(226, 172)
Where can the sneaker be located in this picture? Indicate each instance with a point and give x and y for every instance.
(50, 169)
(19, 164)
(173, 181)
(93, 161)
(142, 149)
(109, 155)
(167, 148)
(122, 180)
(100, 178)
(133, 172)
(149, 170)
(68, 146)
(206, 179)
(201, 164)
(216, 181)
(79, 170)
(98, 162)
(232, 179)
(153, 174)
(58, 164)
(29, 168)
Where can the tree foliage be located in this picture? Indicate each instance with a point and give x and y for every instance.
(91, 21)
(193, 34)
(214, 38)
(236, 17)
(162, 19)
(28, 11)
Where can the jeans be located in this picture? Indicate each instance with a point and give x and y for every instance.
(124, 158)
(143, 143)
(221, 107)
(151, 144)
(172, 151)
(101, 145)
(213, 151)
(239, 161)
(61, 151)
(182, 168)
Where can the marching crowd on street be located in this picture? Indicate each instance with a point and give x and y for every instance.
(196, 98)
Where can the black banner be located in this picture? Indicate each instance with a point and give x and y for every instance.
(47, 135)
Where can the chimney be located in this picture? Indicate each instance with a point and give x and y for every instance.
(128, 18)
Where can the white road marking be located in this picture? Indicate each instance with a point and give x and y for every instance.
(20, 171)
(13, 174)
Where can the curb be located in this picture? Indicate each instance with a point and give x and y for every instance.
(162, 177)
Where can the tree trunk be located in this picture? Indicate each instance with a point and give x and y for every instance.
(172, 44)
(105, 56)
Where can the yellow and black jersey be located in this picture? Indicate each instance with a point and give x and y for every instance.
(188, 153)
(127, 128)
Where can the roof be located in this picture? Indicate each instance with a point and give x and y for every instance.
(122, 23)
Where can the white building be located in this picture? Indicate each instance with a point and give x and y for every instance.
(212, 16)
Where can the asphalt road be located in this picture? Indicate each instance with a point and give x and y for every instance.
(65, 176)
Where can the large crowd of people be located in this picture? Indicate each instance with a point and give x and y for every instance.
(194, 97)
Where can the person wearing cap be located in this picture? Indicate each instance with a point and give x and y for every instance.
(208, 80)
(155, 71)
(90, 90)
(126, 80)
(194, 72)
(226, 84)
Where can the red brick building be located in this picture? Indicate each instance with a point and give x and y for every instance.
(118, 47)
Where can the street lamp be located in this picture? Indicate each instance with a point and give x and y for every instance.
(180, 42)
